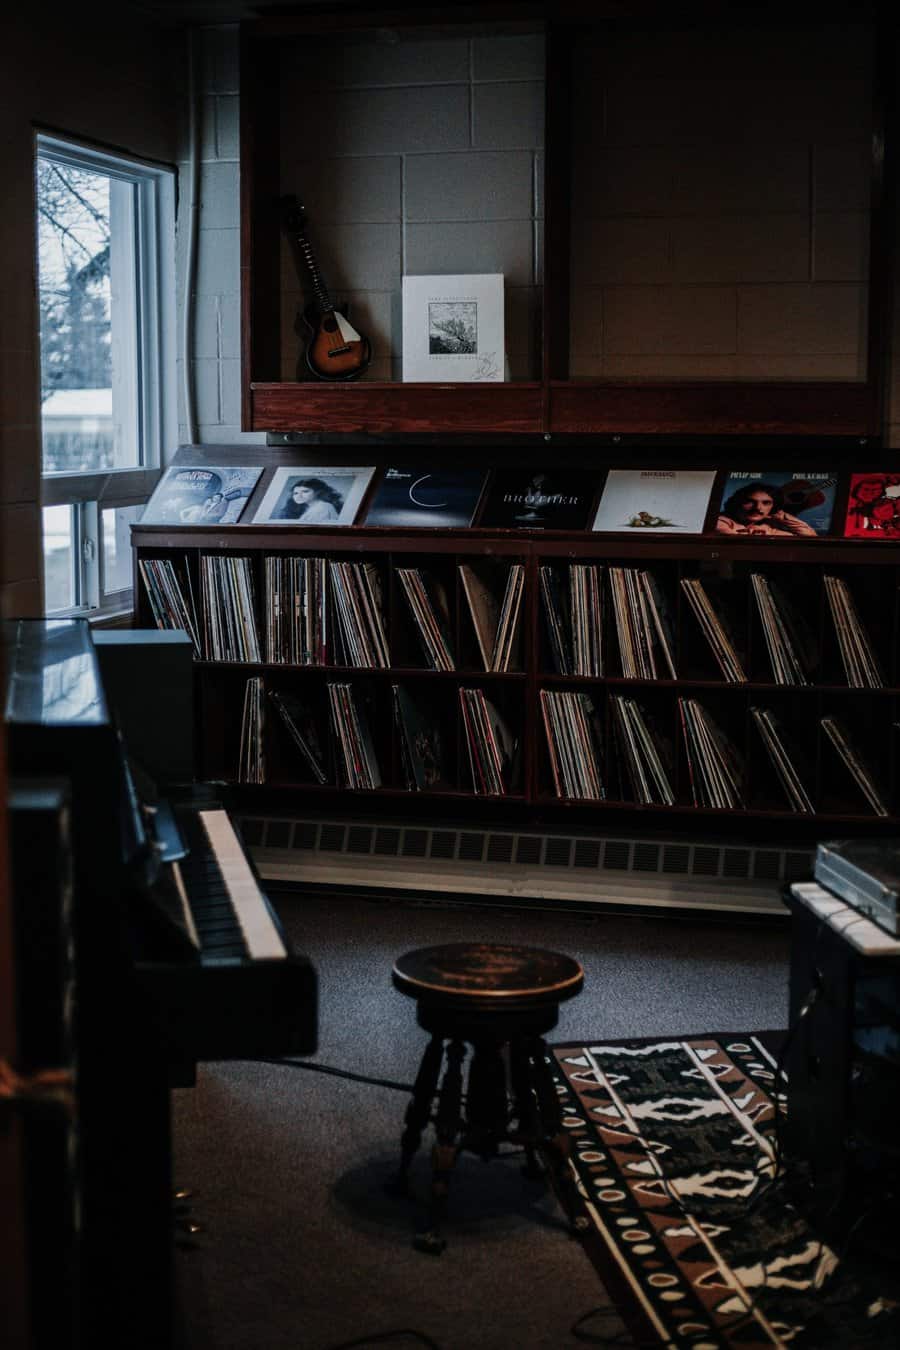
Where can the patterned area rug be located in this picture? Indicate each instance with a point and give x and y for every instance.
(674, 1147)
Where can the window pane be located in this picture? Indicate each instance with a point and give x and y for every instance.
(87, 288)
(117, 547)
(60, 590)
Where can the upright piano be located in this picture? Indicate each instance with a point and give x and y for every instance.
(177, 957)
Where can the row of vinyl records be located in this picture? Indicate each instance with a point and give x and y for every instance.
(321, 612)
(326, 612)
(347, 756)
(639, 761)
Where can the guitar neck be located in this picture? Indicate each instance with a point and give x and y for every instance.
(323, 299)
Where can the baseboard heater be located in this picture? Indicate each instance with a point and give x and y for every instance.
(522, 867)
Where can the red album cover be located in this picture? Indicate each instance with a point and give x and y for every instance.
(873, 506)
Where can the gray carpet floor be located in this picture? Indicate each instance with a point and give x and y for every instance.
(302, 1248)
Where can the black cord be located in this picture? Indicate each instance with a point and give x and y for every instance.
(376, 1337)
(336, 1073)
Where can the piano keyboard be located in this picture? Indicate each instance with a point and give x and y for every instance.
(228, 913)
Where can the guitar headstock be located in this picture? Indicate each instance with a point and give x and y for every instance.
(293, 214)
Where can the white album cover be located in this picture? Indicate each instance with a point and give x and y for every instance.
(660, 501)
(453, 328)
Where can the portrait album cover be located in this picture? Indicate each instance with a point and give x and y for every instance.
(200, 494)
(303, 496)
(540, 499)
(453, 328)
(777, 504)
(665, 501)
(427, 499)
(873, 506)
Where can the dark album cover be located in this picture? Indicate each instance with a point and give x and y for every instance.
(426, 499)
(541, 499)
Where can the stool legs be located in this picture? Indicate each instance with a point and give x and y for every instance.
(418, 1113)
(447, 1126)
(553, 1143)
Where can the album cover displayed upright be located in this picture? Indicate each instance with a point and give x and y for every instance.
(200, 494)
(777, 503)
(542, 499)
(873, 506)
(427, 499)
(453, 328)
(311, 496)
(662, 501)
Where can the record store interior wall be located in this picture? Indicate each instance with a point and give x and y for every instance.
(707, 242)
(115, 81)
(750, 262)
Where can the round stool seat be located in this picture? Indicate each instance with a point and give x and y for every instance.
(487, 976)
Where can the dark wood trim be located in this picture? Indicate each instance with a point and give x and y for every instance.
(380, 409)
(830, 408)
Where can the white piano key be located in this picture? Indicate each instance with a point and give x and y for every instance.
(252, 911)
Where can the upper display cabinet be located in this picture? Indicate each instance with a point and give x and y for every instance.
(689, 214)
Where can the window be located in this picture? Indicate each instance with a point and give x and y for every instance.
(105, 242)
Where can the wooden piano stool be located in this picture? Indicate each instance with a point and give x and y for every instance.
(501, 1000)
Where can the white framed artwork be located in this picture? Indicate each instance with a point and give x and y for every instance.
(453, 328)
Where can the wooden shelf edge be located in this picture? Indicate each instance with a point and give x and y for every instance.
(382, 408)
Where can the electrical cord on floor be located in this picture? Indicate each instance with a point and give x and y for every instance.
(336, 1073)
(377, 1337)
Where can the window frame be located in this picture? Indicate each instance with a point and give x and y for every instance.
(151, 302)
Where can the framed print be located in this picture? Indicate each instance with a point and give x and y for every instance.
(776, 503)
(304, 496)
(453, 328)
(200, 494)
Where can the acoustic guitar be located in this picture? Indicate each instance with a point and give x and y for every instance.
(334, 349)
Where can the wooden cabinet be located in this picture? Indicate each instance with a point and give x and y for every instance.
(870, 717)
(709, 236)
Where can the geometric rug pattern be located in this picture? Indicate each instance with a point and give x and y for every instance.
(674, 1147)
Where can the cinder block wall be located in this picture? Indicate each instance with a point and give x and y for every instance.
(721, 204)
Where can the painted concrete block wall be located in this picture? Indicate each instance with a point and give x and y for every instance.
(721, 203)
(414, 156)
(715, 233)
(111, 80)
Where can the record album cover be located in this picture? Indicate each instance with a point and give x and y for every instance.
(200, 494)
(541, 499)
(873, 506)
(662, 501)
(426, 498)
(305, 496)
(777, 503)
(453, 328)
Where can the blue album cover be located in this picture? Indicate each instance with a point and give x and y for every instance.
(777, 503)
(200, 494)
(427, 499)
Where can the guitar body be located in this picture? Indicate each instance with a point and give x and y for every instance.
(334, 350)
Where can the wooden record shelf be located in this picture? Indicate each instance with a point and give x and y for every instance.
(871, 716)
